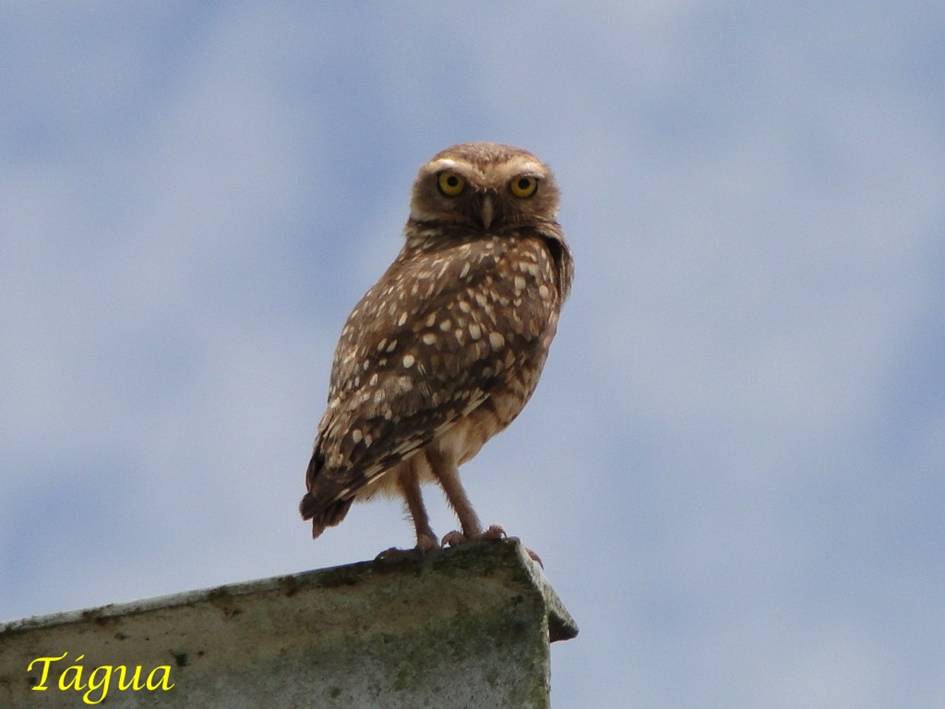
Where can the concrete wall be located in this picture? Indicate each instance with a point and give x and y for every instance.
(463, 627)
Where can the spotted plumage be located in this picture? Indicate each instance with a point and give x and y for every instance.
(447, 347)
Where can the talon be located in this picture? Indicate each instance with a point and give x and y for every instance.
(494, 533)
(453, 538)
(424, 545)
(534, 557)
(427, 543)
(391, 553)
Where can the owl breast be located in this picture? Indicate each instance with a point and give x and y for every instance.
(483, 337)
(446, 348)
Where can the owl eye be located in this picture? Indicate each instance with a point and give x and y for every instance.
(450, 183)
(523, 186)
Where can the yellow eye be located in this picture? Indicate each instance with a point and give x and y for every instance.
(450, 183)
(523, 186)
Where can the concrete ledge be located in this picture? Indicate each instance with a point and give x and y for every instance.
(463, 627)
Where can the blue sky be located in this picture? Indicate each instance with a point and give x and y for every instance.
(734, 466)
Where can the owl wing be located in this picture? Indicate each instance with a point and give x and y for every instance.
(423, 348)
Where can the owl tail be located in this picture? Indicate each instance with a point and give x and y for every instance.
(322, 516)
(321, 504)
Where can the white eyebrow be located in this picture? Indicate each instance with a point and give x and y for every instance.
(443, 164)
(525, 165)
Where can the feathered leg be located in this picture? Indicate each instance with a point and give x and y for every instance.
(409, 485)
(408, 482)
(446, 472)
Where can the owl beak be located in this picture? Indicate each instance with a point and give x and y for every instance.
(487, 211)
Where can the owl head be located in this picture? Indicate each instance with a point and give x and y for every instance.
(485, 186)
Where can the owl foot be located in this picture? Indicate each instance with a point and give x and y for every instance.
(396, 553)
(452, 539)
(492, 534)
(425, 543)
(534, 557)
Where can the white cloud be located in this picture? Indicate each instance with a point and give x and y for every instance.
(195, 203)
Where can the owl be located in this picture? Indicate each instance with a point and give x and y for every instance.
(447, 347)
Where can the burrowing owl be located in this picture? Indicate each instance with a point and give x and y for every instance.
(446, 348)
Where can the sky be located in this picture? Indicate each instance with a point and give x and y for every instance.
(734, 465)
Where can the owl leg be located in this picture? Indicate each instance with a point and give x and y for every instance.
(410, 487)
(446, 472)
(408, 483)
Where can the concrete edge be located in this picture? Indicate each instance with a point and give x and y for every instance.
(510, 552)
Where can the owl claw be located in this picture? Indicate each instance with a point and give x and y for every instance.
(395, 553)
(454, 538)
(425, 544)
(534, 557)
(494, 533)
(391, 553)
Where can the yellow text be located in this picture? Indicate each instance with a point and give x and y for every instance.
(95, 685)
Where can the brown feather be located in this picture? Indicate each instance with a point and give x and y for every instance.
(447, 347)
